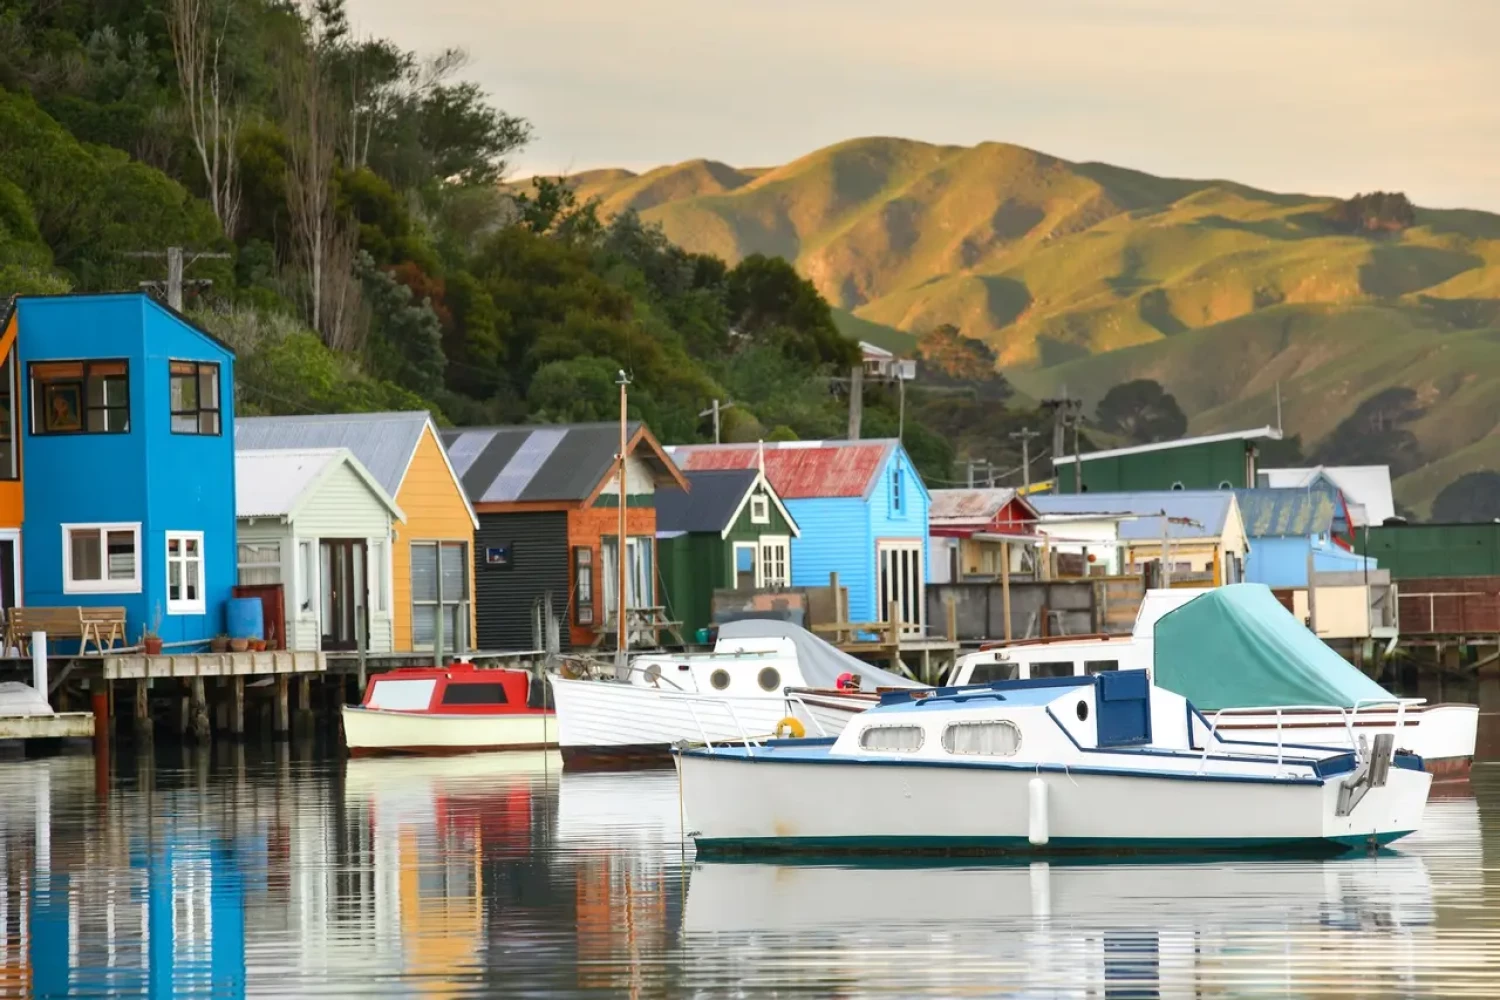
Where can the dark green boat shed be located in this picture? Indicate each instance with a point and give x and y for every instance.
(1414, 551)
(728, 531)
(1212, 462)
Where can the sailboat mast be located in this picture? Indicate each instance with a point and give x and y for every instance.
(622, 640)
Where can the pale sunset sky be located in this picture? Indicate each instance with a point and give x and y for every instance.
(1319, 96)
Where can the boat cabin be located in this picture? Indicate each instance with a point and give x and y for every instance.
(459, 689)
(736, 668)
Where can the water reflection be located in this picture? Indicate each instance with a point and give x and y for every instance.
(279, 874)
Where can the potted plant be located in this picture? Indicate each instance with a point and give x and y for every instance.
(239, 645)
(258, 645)
(219, 643)
(151, 637)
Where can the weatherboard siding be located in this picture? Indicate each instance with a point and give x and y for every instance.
(586, 527)
(835, 538)
(1282, 562)
(435, 511)
(539, 566)
(343, 507)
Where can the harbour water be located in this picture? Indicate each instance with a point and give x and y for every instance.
(286, 871)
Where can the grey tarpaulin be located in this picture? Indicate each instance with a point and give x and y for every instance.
(820, 662)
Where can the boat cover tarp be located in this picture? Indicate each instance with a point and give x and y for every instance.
(22, 699)
(821, 662)
(1238, 647)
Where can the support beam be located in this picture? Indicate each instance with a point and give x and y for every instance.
(142, 729)
(237, 707)
(1005, 586)
(304, 702)
(281, 722)
(199, 727)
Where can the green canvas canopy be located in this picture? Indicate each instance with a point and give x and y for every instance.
(1237, 647)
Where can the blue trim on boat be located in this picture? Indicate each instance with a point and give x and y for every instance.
(924, 694)
(716, 846)
(1285, 761)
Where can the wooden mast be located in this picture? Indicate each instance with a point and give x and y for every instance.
(622, 641)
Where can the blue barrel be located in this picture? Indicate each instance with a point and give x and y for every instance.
(246, 618)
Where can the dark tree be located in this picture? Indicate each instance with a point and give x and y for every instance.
(1474, 496)
(771, 303)
(1376, 212)
(951, 360)
(1283, 454)
(1141, 410)
(1376, 434)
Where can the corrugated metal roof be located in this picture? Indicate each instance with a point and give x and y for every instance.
(535, 463)
(269, 483)
(1367, 486)
(711, 502)
(383, 442)
(968, 506)
(1269, 513)
(797, 470)
(1209, 509)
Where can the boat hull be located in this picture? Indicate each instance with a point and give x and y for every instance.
(371, 731)
(743, 805)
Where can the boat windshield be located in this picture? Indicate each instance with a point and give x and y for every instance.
(402, 696)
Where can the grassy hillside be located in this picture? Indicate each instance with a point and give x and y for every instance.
(1085, 275)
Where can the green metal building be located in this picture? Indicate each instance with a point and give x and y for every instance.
(1413, 551)
(1214, 462)
(728, 531)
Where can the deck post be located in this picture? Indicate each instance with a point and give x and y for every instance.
(99, 689)
(1005, 586)
(360, 645)
(304, 701)
(198, 722)
(952, 609)
(281, 723)
(893, 615)
(141, 715)
(237, 707)
(39, 662)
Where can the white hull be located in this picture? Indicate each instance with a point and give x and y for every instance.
(373, 730)
(605, 715)
(737, 803)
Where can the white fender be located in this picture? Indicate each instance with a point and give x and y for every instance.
(1037, 829)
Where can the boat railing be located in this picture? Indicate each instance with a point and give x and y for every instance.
(795, 698)
(1347, 718)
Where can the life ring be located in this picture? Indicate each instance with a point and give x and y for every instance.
(792, 727)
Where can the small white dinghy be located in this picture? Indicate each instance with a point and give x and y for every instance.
(1104, 764)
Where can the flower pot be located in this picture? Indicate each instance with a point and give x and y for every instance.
(152, 644)
(258, 645)
(239, 645)
(219, 644)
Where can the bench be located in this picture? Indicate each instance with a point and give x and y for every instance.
(101, 626)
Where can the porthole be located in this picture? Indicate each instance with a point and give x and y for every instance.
(1083, 711)
(769, 679)
(719, 679)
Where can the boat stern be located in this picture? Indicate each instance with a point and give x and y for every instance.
(1373, 801)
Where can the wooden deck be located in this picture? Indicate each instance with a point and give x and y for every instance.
(267, 662)
(63, 725)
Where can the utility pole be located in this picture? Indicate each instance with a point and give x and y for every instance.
(622, 640)
(1025, 434)
(856, 400)
(974, 463)
(714, 411)
(1066, 411)
(175, 267)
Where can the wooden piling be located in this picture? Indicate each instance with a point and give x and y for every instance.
(199, 727)
(893, 616)
(281, 723)
(304, 702)
(237, 707)
(1005, 586)
(141, 716)
(99, 689)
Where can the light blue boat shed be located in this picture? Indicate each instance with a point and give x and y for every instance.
(863, 513)
(1287, 526)
(128, 441)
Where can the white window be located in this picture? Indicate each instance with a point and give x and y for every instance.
(988, 739)
(773, 563)
(307, 575)
(185, 573)
(377, 566)
(101, 558)
(903, 739)
(639, 574)
(896, 499)
(402, 696)
(760, 509)
(259, 563)
(440, 586)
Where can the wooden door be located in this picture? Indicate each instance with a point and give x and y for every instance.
(343, 597)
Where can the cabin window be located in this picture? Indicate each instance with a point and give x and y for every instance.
(769, 678)
(1000, 670)
(80, 397)
(10, 468)
(474, 694)
(185, 573)
(760, 509)
(719, 679)
(101, 558)
(195, 397)
(899, 739)
(440, 587)
(259, 563)
(1100, 666)
(988, 739)
(773, 563)
(403, 696)
(583, 585)
(1052, 668)
(896, 498)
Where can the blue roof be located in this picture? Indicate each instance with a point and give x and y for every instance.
(1207, 510)
(1273, 513)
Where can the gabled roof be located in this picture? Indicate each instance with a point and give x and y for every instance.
(1366, 486)
(714, 502)
(1269, 513)
(549, 463)
(1140, 449)
(799, 470)
(277, 482)
(1208, 510)
(972, 506)
(384, 443)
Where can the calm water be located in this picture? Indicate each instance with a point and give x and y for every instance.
(277, 873)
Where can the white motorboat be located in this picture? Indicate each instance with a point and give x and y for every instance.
(1251, 668)
(1098, 764)
(742, 686)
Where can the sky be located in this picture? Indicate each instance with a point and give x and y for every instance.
(1317, 96)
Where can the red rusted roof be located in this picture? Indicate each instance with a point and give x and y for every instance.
(797, 470)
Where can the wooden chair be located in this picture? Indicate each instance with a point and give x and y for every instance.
(102, 627)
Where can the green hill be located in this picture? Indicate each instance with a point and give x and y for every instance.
(1085, 275)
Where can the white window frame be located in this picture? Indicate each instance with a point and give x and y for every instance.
(763, 577)
(760, 509)
(185, 606)
(106, 585)
(734, 563)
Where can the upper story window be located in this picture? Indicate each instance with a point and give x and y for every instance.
(760, 509)
(10, 468)
(195, 397)
(80, 397)
(896, 499)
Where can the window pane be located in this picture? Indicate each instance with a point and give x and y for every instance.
(174, 546)
(208, 386)
(174, 580)
(1055, 668)
(424, 625)
(402, 696)
(184, 423)
(121, 555)
(86, 560)
(474, 694)
(208, 422)
(455, 627)
(1100, 666)
(455, 575)
(994, 739)
(424, 573)
(193, 590)
(1004, 670)
(902, 738)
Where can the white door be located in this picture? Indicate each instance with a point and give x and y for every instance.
(899, 565)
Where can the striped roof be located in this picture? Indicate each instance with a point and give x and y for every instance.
(545, 463)
(798, 470)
